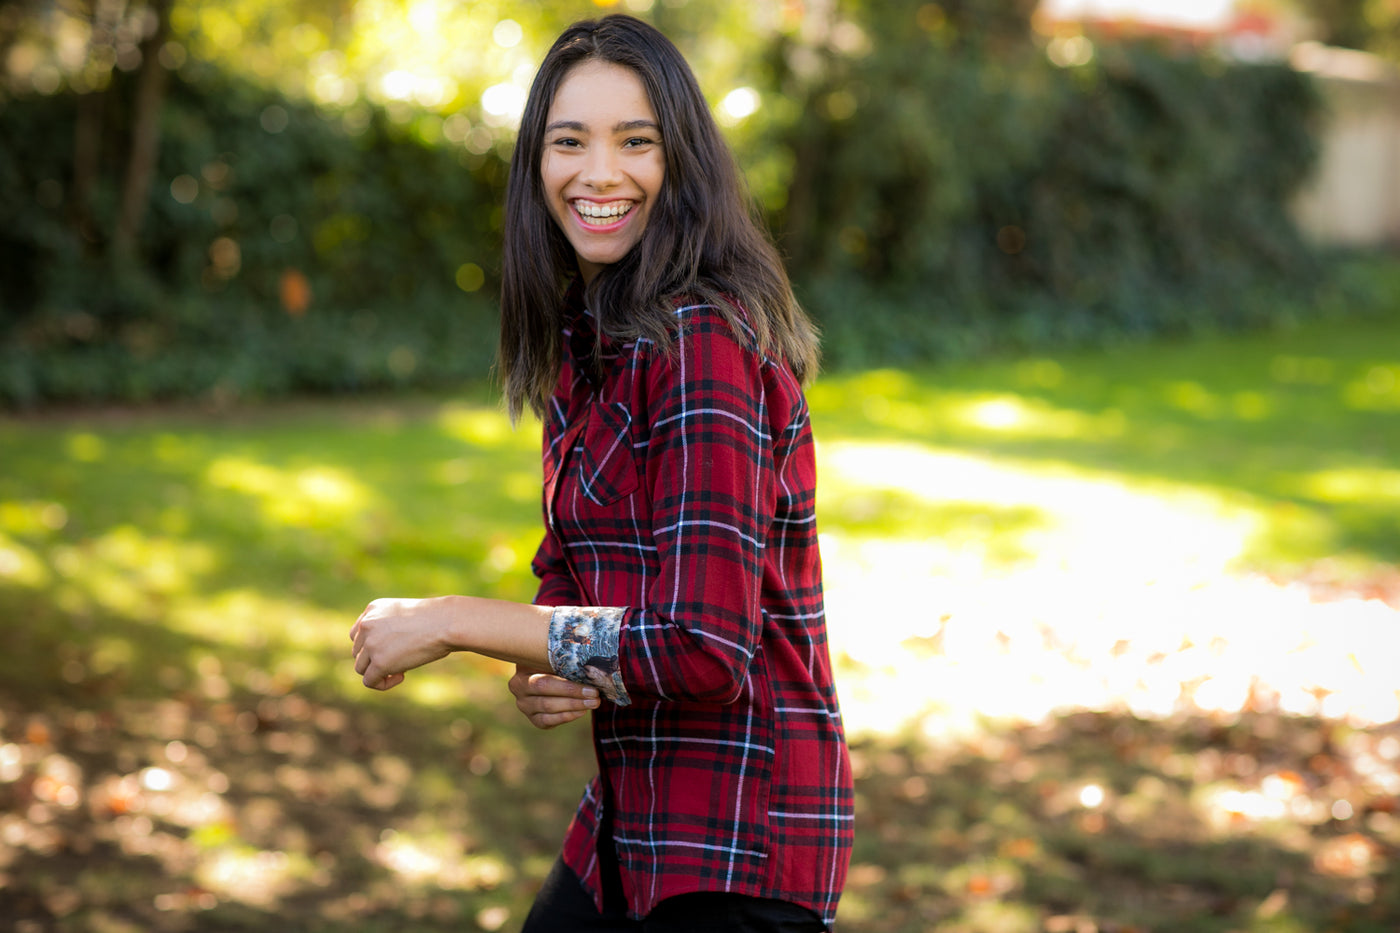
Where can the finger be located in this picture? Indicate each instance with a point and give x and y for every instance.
(389, 682)
(519, 683)
(359, 623)
(360, 634)
(523, 672)
(554, 685)
(535, 705)
(534, 683)
(552, 720)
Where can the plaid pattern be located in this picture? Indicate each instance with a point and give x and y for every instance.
(682, 491)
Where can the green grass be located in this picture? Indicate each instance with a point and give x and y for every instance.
(1300, 428)
(183, 744)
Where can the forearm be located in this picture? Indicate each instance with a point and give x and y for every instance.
(577, 643)
(508, 631)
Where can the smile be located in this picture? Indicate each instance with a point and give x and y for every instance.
(601, 215)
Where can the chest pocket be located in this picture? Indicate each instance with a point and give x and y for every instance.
(607, 469)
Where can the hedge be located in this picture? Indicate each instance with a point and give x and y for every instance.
(947, 198)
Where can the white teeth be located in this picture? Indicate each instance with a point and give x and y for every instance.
(601, 212)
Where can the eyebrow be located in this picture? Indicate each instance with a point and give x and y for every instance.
(625, 126)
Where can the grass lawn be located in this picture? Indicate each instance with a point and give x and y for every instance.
(184, 745)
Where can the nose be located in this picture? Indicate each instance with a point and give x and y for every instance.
(602, 169)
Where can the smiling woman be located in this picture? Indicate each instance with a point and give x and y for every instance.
(698, 239)
(647, 320)
(603, 164)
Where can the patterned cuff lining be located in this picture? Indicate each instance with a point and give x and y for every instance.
(583, 648)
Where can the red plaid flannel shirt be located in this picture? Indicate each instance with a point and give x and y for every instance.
(682, 490)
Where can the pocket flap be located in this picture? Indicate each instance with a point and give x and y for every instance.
(608, 471)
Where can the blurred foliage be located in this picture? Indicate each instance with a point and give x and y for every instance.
(1369, 25)
(323, 208)
(282, 251)
(949, 201)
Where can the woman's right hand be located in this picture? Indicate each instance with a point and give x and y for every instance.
(548, 700)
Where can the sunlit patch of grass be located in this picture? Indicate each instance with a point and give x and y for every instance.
(860, 511)
(315, 496)
(1369, 485)
(1065, 516)
(266, 536)
(1134, 479)
(1026, 568)
(20, 566)
(1292, 428)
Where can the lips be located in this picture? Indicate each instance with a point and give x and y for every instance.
(602, 216)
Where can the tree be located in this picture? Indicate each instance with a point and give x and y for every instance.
(1370, 25)
(145, 129)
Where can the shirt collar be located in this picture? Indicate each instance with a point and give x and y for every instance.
(587, 347)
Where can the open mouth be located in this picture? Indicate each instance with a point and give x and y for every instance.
(601, 215)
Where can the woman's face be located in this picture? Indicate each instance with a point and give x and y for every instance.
(603, 163)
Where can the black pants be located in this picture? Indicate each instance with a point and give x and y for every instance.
(563, 906)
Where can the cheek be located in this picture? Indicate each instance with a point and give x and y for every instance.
(550, 185)
(551, 178)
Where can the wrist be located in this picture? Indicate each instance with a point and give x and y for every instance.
(495, 628)
(458, 632)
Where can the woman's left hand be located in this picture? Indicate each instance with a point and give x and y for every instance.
(548, 700)
(396, 635)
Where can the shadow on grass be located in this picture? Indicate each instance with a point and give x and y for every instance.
(1105, 822)
(216, 808)
(166, 795)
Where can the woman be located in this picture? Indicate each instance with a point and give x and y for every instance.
(648, 321)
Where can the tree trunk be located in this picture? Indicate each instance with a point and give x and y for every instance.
(87, 152)
(145, 134)
(87, 140)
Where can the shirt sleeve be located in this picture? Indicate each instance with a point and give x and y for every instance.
(709, 468)
(583, 648)
(557, 584)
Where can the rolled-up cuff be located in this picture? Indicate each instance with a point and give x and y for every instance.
(583, 648)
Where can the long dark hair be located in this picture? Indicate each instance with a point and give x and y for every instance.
(701, 241)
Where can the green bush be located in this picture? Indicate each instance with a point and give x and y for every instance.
(951, 194)
(948, 202)
(305, 252)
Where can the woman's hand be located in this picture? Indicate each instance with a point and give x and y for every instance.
(396, 635)
(548, 700)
